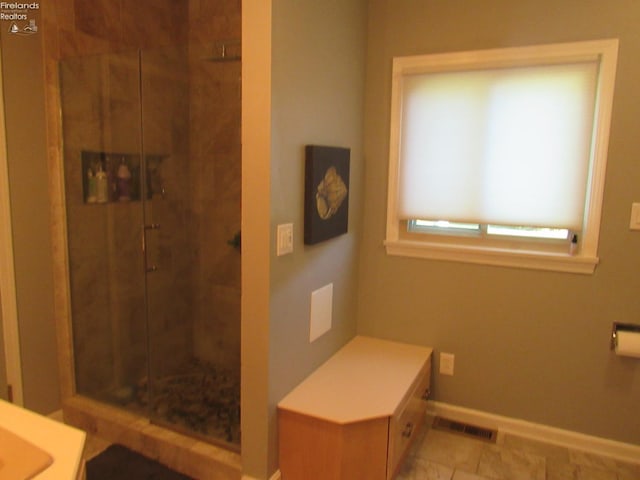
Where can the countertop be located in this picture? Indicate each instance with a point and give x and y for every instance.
(378, 371)
(62, 442)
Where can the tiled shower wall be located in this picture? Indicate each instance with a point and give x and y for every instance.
(165, 105)
(216, 177)
(192, 117)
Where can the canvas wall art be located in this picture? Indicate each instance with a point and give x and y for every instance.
(326, 202)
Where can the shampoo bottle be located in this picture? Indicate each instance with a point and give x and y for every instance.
(91, 187)
(102, 186)
(124, 182)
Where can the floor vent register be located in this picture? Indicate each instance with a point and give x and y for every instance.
(479, 433)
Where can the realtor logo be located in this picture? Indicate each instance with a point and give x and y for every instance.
(17, 14)
(29, 29)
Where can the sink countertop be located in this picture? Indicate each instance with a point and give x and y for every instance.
(64, 443)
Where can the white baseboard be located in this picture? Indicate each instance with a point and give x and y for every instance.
(535, 431)
(275, 476)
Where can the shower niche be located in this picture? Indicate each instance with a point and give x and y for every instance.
(115, 177)
(155, 286)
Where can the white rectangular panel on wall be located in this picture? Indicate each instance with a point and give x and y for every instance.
(321, 308)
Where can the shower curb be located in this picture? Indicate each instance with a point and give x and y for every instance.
(182, 453)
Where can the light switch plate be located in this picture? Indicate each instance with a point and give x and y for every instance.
(284, 239)
(321, 309)
(634, 222)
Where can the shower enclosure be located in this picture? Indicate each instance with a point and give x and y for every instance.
(152, 190)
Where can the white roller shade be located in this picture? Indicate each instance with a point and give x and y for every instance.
(507, 146)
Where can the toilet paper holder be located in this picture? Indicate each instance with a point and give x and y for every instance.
(622, 327)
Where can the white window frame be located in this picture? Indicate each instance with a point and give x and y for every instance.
(515, 253)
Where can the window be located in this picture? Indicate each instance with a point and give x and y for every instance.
(499, 156)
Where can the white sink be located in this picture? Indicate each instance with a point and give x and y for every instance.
(36, 447)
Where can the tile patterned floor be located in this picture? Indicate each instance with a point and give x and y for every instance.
(439, 455)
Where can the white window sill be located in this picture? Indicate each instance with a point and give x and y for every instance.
(558, 262)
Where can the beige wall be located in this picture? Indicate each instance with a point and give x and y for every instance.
(315, 78)
(3, 372)
(28, 179)
(528, 344)
(256, 145)
(318, 78)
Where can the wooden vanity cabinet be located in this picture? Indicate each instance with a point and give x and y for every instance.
(355, 417)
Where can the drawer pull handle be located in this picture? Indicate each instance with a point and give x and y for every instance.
(408, 430)
(426, 394)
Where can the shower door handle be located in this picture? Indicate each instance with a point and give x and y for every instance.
(150, 226)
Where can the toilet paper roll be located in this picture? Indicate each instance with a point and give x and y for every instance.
(628, 343)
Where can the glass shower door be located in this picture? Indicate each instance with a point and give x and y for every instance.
(168, 250)
(152, 183)
(100, 99)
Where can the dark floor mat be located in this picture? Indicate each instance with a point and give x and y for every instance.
(120, 463)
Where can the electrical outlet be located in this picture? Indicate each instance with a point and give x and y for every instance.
(446, 363)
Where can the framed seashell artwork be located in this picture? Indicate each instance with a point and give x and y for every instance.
(326, 192)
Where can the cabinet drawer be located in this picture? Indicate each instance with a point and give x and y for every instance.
(405, 424)
(354, 417)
